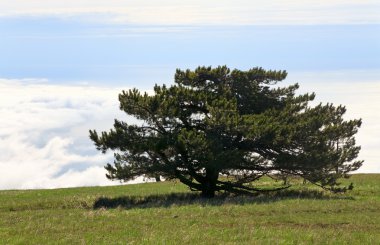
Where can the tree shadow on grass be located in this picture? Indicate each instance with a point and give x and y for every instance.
(182, 199)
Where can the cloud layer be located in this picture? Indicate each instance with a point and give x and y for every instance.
(170, 12)
(44, 128)
(44, 134)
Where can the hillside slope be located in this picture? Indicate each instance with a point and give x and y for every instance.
(168, 213)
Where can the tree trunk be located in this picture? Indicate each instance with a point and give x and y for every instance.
(157, 177)
(209, 186)
(208, 192)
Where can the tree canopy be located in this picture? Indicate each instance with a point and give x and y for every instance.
(218, 129)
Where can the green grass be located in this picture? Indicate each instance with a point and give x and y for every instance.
(168, 213)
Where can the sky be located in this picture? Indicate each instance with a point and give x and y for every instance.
(62, 65)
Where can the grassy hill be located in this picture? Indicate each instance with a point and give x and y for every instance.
(168, 213)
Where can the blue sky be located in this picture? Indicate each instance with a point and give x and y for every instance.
(63, 64)
(64, 50)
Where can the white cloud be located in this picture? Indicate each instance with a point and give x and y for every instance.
(28, 166)
(44, 134)
(44, 128)
(202, 12)
(89, 177)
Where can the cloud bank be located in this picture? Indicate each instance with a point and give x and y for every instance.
(44, 128)
(44, 134)
(170, 12)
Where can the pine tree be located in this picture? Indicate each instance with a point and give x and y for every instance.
(216, 122)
